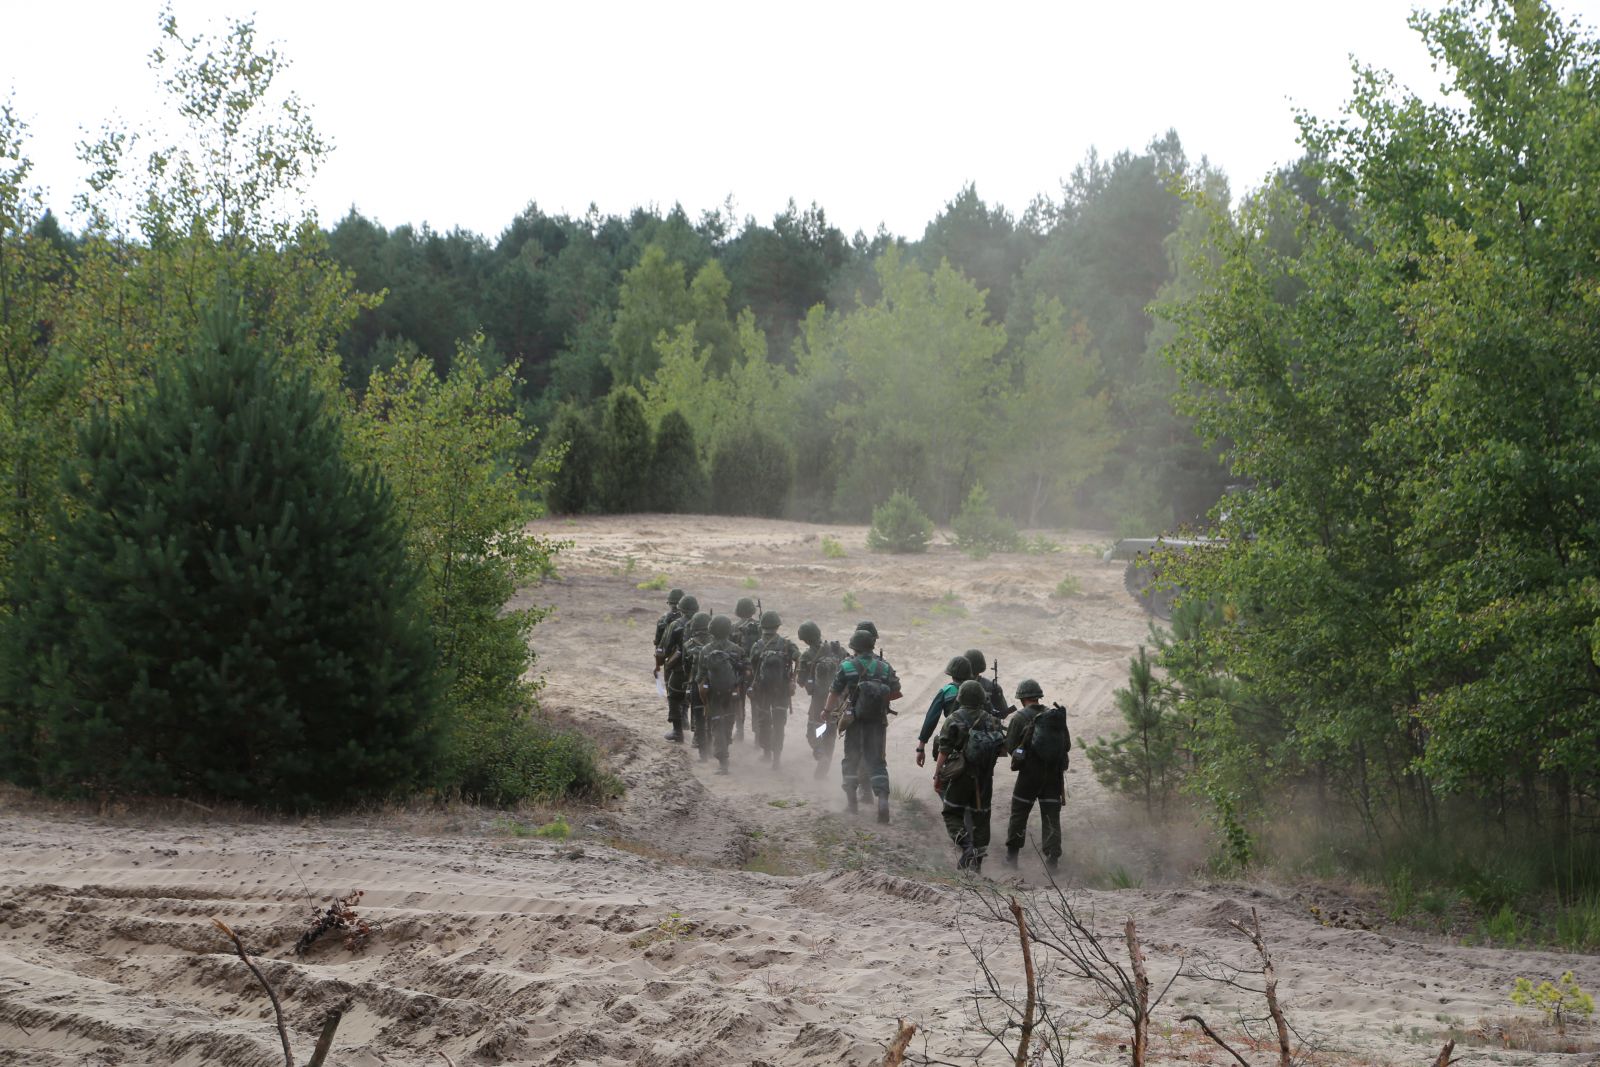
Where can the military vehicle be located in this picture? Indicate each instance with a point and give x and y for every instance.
(1142, 576)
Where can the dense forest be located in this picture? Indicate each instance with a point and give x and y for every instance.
(1386, 352)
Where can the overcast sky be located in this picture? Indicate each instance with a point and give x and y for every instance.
(461, 113)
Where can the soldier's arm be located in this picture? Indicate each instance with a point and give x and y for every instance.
(930, 721)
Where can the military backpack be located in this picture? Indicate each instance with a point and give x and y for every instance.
(874, 689)
(772, 668)
(721, 671)
(829, 656)
(1050, 742)
(985, 741)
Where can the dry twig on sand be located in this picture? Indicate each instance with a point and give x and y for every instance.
(1285, 1057)
(1027, 971)
(340, 915)
(1444, 1059)
(897, 1048)
(277, 1009)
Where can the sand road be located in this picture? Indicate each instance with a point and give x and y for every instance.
(701, 919)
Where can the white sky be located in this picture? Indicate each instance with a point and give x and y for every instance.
(460, 113)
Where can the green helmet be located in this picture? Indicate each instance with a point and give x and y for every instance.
(674, 596)
(866, 624)
(770, 620)
(1029, 689)
(700, 623)
(721, 627)
(688, 605)
(979, 664)
(958, 669)
(810, 633)
(745, 607)
(862, 641)
(971, 694)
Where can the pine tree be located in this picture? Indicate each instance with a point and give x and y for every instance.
(751, 473)
(622, 479)
(677, 481)
(572, 490)
(223, 607)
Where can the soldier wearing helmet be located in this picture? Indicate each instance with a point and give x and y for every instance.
(864, 688)
(819, 662)
(1040, 745)
(664, 626)
(991, 687)
(746, 632)
(773, 659)
(670, 656)
(944, 702)
(968, 743)
(720, 674)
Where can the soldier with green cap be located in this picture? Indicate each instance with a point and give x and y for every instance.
(944, 703)
(664, 626)
(969, 743)
(670, 655)
(819, 662)
(863, 688)
(773, 661)
(1040, 744)
(746, 632)
(720, 673)
(699, 634)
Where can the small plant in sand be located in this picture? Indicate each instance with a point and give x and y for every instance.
(831, 548)
(1067, 587)
(1041, 545)
(850, 602)
(750, 583)
(658, 582)
(899, 525)
(1559, 1002)
(556, 829)
(673, 928)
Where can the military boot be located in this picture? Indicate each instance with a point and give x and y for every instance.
(777, 757)
(850, 801)
(1011, 857)
(883, 808)
(976, 866)
(675, 734)
(722, 765)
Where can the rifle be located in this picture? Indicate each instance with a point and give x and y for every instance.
(1009, 707)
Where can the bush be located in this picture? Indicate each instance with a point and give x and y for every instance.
(980, 530)
(506, 759)
(831, 548)
(751, 473)
(224, 608)
(622, 479)
(677, 481)
(572, 489)
(899, 525)
(1068, 586)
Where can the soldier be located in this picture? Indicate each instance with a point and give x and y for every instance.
(867, 684)
(967, 748)
(866, 624)
(745, 633)
(699, 635)
(669, 657)
(773, 659)
(1040, 744)
(720, 673)
(991, 688)
(664, 627)
(944, 703)
(818, 665)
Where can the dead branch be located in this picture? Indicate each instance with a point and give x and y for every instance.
(325, 1040)
(1027, 971)
(1141, 997)
(897, 1048)
(339, 915)
(1213, 1036)
(1285, 1058)
(446, 1056)
(277, 1009)
(1444, 1059)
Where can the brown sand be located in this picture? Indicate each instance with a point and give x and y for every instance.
(653, 936)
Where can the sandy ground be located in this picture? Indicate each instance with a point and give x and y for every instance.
(701, 919)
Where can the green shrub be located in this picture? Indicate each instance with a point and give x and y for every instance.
(751, 473)
(899, 525)
(1041, 546)
(224, 609)
(658, 582)
(849, 601)
(622, 479)
(503, 759)
(677, 481)
(1068, 586)
(980, 530)
(831, 548)
(572, 489)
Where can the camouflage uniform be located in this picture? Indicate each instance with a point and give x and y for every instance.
(1037, 780)
(699, 633)
(664, 624)
(865, 743)
(967, 790)
(721, 708)
(745, 634)
(943, 704)
(816, 652)
(769, 698)
(669, 653)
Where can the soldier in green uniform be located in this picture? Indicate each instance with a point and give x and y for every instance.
(720, 673)
(819, 662)
(746, 632)
(968, 744)
(664, 627)
(669, 657)
(944, 703)
(699, 629)
(991, 688)
(1040, 745)
(773, 660)
(864, 686)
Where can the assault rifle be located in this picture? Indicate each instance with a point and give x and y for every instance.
(995, 669)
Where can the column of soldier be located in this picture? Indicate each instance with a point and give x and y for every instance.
(717, 668)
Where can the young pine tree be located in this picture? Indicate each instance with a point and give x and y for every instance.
(572, 489)
(677, 481)
(223, 609)
(623, 474)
